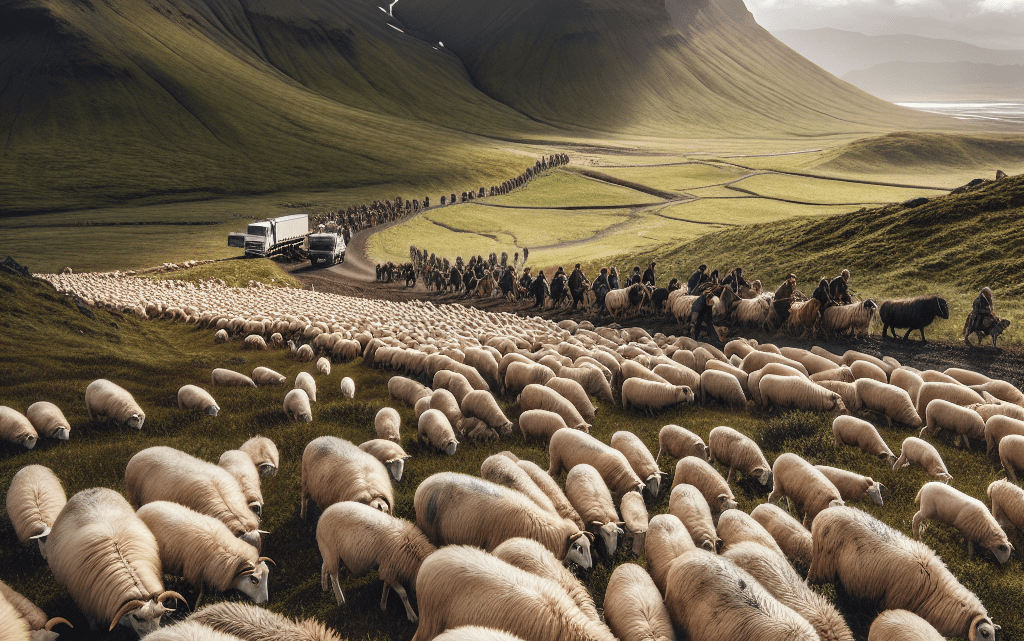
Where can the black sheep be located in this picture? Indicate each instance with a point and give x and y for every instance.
(912, 313)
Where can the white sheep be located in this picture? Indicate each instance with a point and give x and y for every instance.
(434, 427)
(421, 406)
(679, 442)
(998, 427)
(851, 356)
(849, 430)
(239, 464)
(305, 382)
(591, 379)
(518, 375)
(531, 556)
(667, 539)
(1011, 455)
(1002, 390)
(575, 394)
(590, 496)
(924, 454)
(757, 359)
(323, 366)
(736, 526)
(388, 452)
(304, 354)
(802, 393)
(889, 400)
(540, 424)
(406, 390)
(296, 406)
(908, 379)
(386, 423)
(192, 397)
(335, 470)
(445, 401)
(853, 486)
(483, 361)
(27, 616)
(34, 499)
(361, 538)
(875, 561)
(635, 519)
(966, 513)
(48, 420)
(104, 399)
(263, 453)
(688, 504)
(203, 550)
(723, 387)
(550, 488)
(847, 392)
(254, 342)
(263, 376)
(253, 623)
(802, 483)
(475, 633)
(1007, 504)
(814, 363)
(841, 374)
(348, 387)
(230, 378)
(539, 397)
(221, 336)
(952, 392)
(738, 452)
(965, 423)
(16, 428)
(653, 396)
(792, 538)
(867, 369)
(480, 404)
(569, 448)
(641, 460)
(679, 374)
(777, 369)
(633, 606)
(699, 473)
(901, 625)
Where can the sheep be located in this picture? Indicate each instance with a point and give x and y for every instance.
(842, 374)
(386, 423)
(739, 346)
(109, 562)
(503, 470)
(801, 482)
(711, 598)
(519, 375)
(348, 387)
(191, 397)
(814, 363)
(777, 369)
(901, 625)
(935, 376)
(738, 452)
(907, 379)
(254, 342)
(264, 376)
(230, 378)
(990, 409)
(27, 616)
(792, 538)
(16, 428)
(633, 606)
(335, 470)
(569, 448)
(459, 585)
(221, 336)
(165, 474)
(1007, 501)
(997, 428)
(679, 442)
(305, 382)
(296, 406)
(941, 414)
(323, 366)
(723, 387)
(853, 486)
(688, 504)
(590, 496)
(952, 392)
(1002, 390)
(475, 633)
(465, 510)
(531, 556)
(539, 397)
(653, 396)
(591, 379)
(635, 519)
(540, 424)
(361, 538)
(453, 382)
(966, 376)
(888, 400)
(240, 465)
(866, 369)
(34, 499)
(48, 420)
(735, 527)
(911, 313)
(304, 354)
(203, 550)
(640, 460)
(480, 404)
(253, 623)
(853, 320)
(741, 376)
(189, 631)
(263, 453)
(667, 539)
(712, 486)
(444, 401)
(1011, 455)
(777, 576)
(575, 394)
(924, 454)
(485, 363)
(966, 513)
(104, 399)
(847, 392)
(802, 393)
(551, 489)
(406, 390)
(434, 427)
(875, 561)
(388, 452)
(757, 359)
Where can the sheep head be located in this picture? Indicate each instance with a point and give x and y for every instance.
(253, 581)
(267, 469)
(144, 616)
(874, 492)
(40, 540)
(380, 504)
(763, 474)
(61, 434)
(212, 410)
(396, 467)
(28, 441)
(982, 629)
(579, 550)
(725, 502)
(252, 538)
(136, 420)
(1002, 549)
(653, 484)
(450, 447)
(609, 533)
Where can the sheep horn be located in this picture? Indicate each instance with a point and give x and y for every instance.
(134, 604)
(56, 621)
(267, 559)
(170, 594)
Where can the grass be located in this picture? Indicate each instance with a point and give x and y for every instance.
(826, 192)
(679, 178)
(153, 358)
(235, 273)
(568, 189)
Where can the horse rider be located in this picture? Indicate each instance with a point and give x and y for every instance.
(839, 289)
(784, 298)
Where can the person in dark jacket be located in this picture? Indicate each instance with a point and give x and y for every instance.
(634, 277)
(613, 278)
(701, 314)
(559, 287)
(983, 312)
(526, 280)
(600, 287)
(839, 289)
(822, 295)
(714, 279)
(697, 280)
(507, 282)
(576, 285)
(648, 277)
(784, 298)
(539, 289)
(735, 280)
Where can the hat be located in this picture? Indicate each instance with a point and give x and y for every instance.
(702, 268)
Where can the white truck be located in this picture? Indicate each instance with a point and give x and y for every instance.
(272, 236)
(328, 247)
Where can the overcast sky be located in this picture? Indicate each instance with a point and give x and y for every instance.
(998, 24)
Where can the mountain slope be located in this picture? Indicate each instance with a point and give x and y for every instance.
(901, 81)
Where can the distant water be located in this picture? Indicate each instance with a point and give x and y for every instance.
(1008, 111)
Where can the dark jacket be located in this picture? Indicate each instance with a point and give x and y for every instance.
(735, 280)
(506, 282)
(821, 293)
(600, 282)
(701, 306)
(576, 280)
(613, 280)
(648, 277)
(539, 288)
(695, 281)
(785, 293)
(982, 306)
(839, 291)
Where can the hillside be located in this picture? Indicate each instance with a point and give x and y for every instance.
(903, 81)
(909, 151)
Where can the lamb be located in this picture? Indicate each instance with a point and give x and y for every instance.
(711, 598)
(444, 401)
(361, 538)
(348, 387)
(792, 538)
(104, 399)
(531, 556)
(941, 414)
(263, 453)
(503, 470)
(165, 474)
(590, 496)
(924, 454)
(900, 625)
(966, 513)
(633, 606)
(296, 406)
(191, 397)
(465, 510)
(640, 460)
(712, 486)
(264, 376)
(305, 382)
(738, 452)
(997, 428)
(27, 616)
(109, 562)
(240, 465)
(323, 366)
(801, 482)
(888, 400)
(253, 623)
(653, 396)
(34, 499)
(667, 539)
(1011, 455)
(679, 442)
(874, 561)
(802, 393)
(853, 486)
(519, 602)
(406, 390)
(911, 313)
(540, 424)
(335, 470)
(539, 397)
(777, 576)
(569, 448)
(688, 504)
(551, 489)
(952, 392)
(1007, 500)
(230, 378)
(575, 394)
(203, 550)
(48, 420)
(386, 423)
(519, 375)
(635, 519)
(481, 405)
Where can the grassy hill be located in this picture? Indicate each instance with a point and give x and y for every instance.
(913, 151)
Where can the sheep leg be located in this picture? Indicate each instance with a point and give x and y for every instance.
(302, 508)
(728, 479)
(338, 595)
(1010, 472)
(918, 524)
(409, 612)
(970, 549)
(384, 597)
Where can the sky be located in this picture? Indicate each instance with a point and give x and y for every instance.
(996, 24)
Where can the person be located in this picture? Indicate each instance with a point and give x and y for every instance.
(526, 279)
(576, 280)
(784, 298)
(559, 287)
(634, 277)
(735, 280)
(839, 289)
(821, 294)
(507, 281)
(983, 312)
(713, 278)
(601, 287)
(540, 290)
(701, 313)
(613, 278)
(697, 280)
(526, 254)
(648, 277)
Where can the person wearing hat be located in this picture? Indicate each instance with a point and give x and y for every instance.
(576, 285)
(648, 277)
(559, 287)
(784, 298)
(983, 312)
(697, 280)
(839, 289)
(701, 315)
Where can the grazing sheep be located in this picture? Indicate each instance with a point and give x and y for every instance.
(104, 399)
(924, 454)
(386, 423)
(34, 499)
(952, 392)
(485, 363)
(802, 393)
(276, 340)
(792, 538)
(679, 442)
(590, 496)
(460, 585)
(907, 379)
(1007, 505)
(633, 606)
(776, 369)
(264, 376)
(305, 354)
(757, 359)
(445, 402)
(850, 430)
(480, 404)
(531, 556)
(941, 414)
(221, 336)
(305, 382)
(966, 513)
(711, 599)
(25, 616)
(704, 477)
(453, 382)
(900, 625)
(569, 448)
(230, 378)
(362, 538)
(667, 539)
(888, 400)
(853, 486)
(1011, 455)
(263, 453)
(109, 562)
(814, 363)
(653, 396)
(874, 561)
(591, 379)
(503, 470)
(203, 550)
(296, 406)
(866, 369)
(988, 410)
(850, 356)
(475, 633)
(16, 428)
(777, 576)
(240, 465)
(323, 366)
(575, 394)
(842, 374)
(406, 390)
(519, 375)
(388, 452)
(335, 470)
(911, 313)
(966, 376)
(722, 387)
(847, 392)
(191, 397)
(253, 623)
(678, 374)
(348, 388)
(1002, 390)
(254, 342)
(635, 519)
(540, 424)
(458, 509)
(48, 420)
(735, 527)
(935, 376)
(539, 397)
(640, 460)
(997, 428)
(551, 489)
(688, 504)
(802, 483)
(738, 452)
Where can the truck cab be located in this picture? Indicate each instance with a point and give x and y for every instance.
(328, 247)
(258, 238)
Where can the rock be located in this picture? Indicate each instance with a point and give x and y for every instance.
(915, 202)
(12, 267)
(1000, 174)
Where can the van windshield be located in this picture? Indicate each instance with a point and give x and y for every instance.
(256, 230)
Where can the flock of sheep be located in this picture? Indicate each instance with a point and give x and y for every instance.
(486, 555)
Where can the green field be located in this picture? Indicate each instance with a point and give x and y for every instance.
(826, 192)
(677, 178)
(571, 190)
